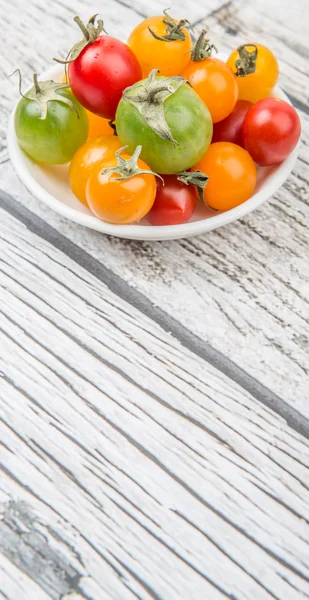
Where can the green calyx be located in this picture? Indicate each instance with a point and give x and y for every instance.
(43, 92)
(90, 31)
(174, 29)
(149, 96)
(127, 167)
(202, 49)
(246, 63)
(197, 178)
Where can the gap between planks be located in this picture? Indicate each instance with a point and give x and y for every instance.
(122, 289)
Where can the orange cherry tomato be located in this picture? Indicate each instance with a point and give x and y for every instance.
(232, 175)
(216, 85)
(97, 125)
(87, 156)
(258, 85)
(170, 57)
(120, 201)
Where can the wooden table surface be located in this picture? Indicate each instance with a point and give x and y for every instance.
(154, 396)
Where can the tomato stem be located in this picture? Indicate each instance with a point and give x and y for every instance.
(128, 167)
(246, 63)
(82, 27)
(174, 29)
(148, 98)
(36, 84)
(91, 32)
(202, 49)
(197, 178)
(47, 91)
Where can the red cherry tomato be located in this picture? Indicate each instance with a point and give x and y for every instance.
(174, 203)
(270, 131)
(101, 72)
(229, 130)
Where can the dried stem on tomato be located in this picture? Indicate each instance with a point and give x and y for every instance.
(202, 49)
(90, 31)
(45, 91)
(174, 29)
(246, 63)
(197, 178)
(127, 167)
(149, 96)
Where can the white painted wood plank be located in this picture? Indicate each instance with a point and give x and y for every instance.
(195, 11)
(248, 282)
(134, 456)
(63, 552)
(15, 584)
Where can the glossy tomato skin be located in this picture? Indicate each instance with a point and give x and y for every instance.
(215, 83)
(189, 121)
(271, 131)
(86, 158)
(98, 126)
(232, 175)
(174, 203)
(258, 85)
(229, 130)
(55, 139)
(120, 202)
(169, 57)
(101, 72)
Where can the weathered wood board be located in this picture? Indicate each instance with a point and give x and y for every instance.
(130, 466)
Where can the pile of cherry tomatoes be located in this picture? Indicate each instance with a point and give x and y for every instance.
(151, 125)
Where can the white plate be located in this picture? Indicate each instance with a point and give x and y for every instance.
(50, 185)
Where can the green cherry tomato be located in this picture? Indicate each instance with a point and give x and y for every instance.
(50, 124)
(168, 119)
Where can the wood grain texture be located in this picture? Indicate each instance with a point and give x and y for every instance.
(15, 584)
(131, 468)
(248, 282)
(126, 459)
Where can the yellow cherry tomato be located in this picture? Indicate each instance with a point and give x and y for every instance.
(232, 175)
(86, 158)
(216, 85)
(256, 85)
(170, 53)
(120, 201)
